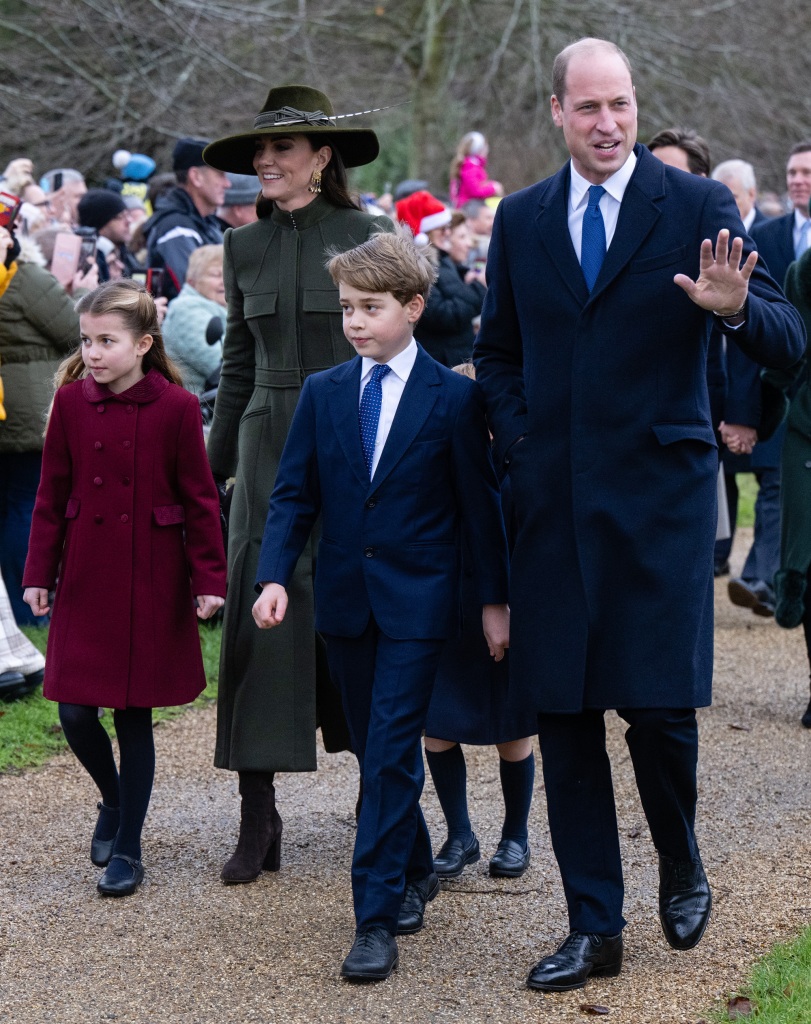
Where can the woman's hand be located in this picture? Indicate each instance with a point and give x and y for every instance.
(6, 242)
(161, 305)
(87, 280)
(208, 604)
(37, 600)
(496, 625)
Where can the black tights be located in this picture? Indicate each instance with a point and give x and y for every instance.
(807, 616)
(132, 789)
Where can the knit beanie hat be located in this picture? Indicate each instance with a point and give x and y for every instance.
(422, 212)
(188, 153)
(98, 207)
(243, 191)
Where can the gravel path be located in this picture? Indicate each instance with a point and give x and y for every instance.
(186, 949)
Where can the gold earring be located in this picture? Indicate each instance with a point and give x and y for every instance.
(315, 183)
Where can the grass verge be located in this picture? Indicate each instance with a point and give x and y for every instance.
(780, 989)
(30, 732)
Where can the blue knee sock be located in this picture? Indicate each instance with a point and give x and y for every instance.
(517, 783)
(449, 772)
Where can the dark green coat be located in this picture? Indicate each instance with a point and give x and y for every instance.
(284, 323)
(795, 469)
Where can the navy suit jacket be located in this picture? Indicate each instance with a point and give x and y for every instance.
(774, 241)
(614, 482)
(390, 546)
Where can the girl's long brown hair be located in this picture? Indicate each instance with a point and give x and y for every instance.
(139, 315)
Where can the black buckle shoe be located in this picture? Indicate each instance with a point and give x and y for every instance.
(455, 854)
(510, 860)
(685, 901)
(101, 850)
(118, 880)
(373, 956)
(579, 958)
(412, 909)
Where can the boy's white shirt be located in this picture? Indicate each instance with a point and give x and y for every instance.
(392, 386)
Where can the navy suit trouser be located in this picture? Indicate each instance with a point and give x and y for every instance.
(663, 744)
(386, 688)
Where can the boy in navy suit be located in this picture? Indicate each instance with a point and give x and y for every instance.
(392, 450)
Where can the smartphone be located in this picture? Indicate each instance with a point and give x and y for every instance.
(67, 250)
(9, 208)
(154, 282)
(87, 252)
(57, 181)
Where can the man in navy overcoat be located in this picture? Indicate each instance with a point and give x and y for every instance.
(597, 398)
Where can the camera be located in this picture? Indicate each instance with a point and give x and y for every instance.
(9, 208)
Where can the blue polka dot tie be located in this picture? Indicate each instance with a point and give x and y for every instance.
(592, 249)
(369, 412)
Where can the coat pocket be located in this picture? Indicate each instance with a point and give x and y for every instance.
(72, 508)
(664, 259)
(261, 304)
(169, 515)
(670, 433)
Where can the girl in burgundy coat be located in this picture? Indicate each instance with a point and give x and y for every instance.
(126, 527)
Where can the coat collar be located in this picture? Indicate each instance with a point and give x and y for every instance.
(305, 217)
(148, 388)
(418, 398)
(639, 212)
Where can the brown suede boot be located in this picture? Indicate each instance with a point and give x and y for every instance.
(260, 830)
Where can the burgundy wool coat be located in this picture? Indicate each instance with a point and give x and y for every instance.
(126, 525)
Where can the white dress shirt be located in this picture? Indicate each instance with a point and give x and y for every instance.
(392, 386)
(609, 203)
(748, 220)
(799, 227)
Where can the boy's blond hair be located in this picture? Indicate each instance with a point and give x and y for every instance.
(385, 263)
(466, 369)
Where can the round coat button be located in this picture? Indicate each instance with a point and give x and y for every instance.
(125, 481)
(98, 446)
(371, 503)
(125, 519)
(98, 519)
(129, 408)
(99, 408)
(98, 481)
(369, 552)
(808, 464)
(128, 444)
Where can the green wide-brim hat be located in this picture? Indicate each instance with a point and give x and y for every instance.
(294, 110)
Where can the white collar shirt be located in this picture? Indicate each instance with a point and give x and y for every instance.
(609, 203)
(392, 387)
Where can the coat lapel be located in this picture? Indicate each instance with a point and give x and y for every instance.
(553, 226)
(639, 213)
(344, 400)
(419, 396)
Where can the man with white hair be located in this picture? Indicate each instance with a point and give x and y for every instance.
(739, 178)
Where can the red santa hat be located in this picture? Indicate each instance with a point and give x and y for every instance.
(422, 212)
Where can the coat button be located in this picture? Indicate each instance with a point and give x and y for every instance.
(125, 519)
(98, 481)
(98, 446)
(371, 503)
(808, 464)
(369, 552)
(98, 519)
(125, 481)
(128, 444)
(129, 408)
(99, 408)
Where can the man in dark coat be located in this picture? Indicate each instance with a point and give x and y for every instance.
(185, 218)
(604, 282)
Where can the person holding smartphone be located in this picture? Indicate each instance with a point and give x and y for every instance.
(106, 213)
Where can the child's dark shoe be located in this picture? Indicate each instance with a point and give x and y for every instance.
(123, 876)
(101, 845)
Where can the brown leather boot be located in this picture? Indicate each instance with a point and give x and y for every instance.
(260, 830)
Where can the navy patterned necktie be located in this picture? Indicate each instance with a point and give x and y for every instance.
(369, 413)
(592, 249)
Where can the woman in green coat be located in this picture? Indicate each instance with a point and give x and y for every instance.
(284, 323)
(792, 582)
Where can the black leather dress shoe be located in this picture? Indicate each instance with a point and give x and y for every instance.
(510, 860)
(806, 719)
(754, 594)
(412, 909)
(101, 850)
(455, 854)
(373, 956)
(579, 958)
(720, 569)
(685, 901)
(123, 876)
